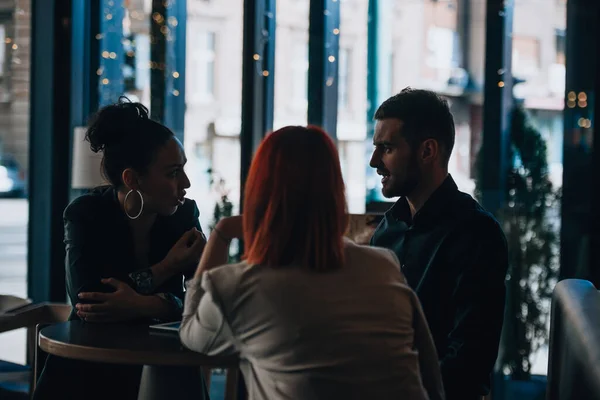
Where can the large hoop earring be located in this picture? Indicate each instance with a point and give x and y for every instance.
(125, 204)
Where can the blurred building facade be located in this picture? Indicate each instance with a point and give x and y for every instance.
(15, 41)
(436, 45)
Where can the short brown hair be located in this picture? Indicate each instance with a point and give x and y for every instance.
(425, 115)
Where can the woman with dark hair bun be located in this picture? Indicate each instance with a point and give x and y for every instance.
(129, 244)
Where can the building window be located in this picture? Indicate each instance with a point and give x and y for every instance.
(203, 74)
(210, 63)
(442, 48)
(136, 74)
(443, 55)
(561, 46)
(526, 56)
(392, 76)
(344, 58)
(300, 75)
(3, 45)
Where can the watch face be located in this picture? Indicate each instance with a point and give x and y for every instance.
(142, 280)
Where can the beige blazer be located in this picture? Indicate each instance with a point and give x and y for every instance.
(354, 333)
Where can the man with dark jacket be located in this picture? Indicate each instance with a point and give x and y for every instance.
(452, 252)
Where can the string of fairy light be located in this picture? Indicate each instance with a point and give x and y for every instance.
(579, 100)
(166, 26)
(331, 58)
(574, 100)
(13, 41)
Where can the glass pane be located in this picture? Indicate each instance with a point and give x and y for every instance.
(345, 55)
(352, 101)
(136, 45)
(538, 63)
(15, 28)
(213, 105)
(440, 45)
(291, 63)
(125, 63)
(433, 58)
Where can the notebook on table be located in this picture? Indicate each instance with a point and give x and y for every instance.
(171, 327)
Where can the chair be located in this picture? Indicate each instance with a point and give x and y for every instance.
(10, 303)
(18, 381)
(574, 359)
(361, 227)
(231, 381)
(10, 373)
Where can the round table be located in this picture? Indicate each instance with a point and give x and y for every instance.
(170, 371)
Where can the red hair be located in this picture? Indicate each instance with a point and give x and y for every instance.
(294, 202)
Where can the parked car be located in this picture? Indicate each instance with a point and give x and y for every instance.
(12, 177)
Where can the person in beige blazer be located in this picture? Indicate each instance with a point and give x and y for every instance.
(311, 314)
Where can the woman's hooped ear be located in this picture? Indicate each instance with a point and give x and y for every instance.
(130, 179)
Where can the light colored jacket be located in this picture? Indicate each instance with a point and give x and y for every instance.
(354, 333)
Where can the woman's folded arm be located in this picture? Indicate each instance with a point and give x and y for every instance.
(203, 327)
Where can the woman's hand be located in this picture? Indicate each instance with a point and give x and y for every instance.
(186, 252)
(231, 227)
(217, 249)
(121, 305)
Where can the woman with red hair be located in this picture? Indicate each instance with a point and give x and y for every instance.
(311, 314)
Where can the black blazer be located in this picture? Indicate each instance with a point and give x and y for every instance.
(99, 244)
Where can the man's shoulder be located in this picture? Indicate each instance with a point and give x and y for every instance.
(465, 206)
(473, 219)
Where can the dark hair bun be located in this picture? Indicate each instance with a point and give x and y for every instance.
(127, 138)
(111, 125)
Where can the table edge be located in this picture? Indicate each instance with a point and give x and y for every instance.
(131, 357)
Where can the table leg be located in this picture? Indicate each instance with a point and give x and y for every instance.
(168, 383)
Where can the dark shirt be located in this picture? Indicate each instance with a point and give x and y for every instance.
(99, 244)
(454, 255)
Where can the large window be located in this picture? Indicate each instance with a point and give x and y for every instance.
(299, 76)
(432, 59)
(213, 104)
(526, 56)
(539, 65)
(126, 64)
(344, 77)
(15, 28)
(561, 46)
(203, 61)
(427, 44)
(352, 101)
(136, 50)
(291, 63)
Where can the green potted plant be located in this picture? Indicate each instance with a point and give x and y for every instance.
(529, 220)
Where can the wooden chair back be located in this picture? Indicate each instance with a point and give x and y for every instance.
(24, 314)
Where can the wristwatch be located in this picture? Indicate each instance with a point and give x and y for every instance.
(143, 280)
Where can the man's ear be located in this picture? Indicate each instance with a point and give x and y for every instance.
(430, 151)
(130, 179)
